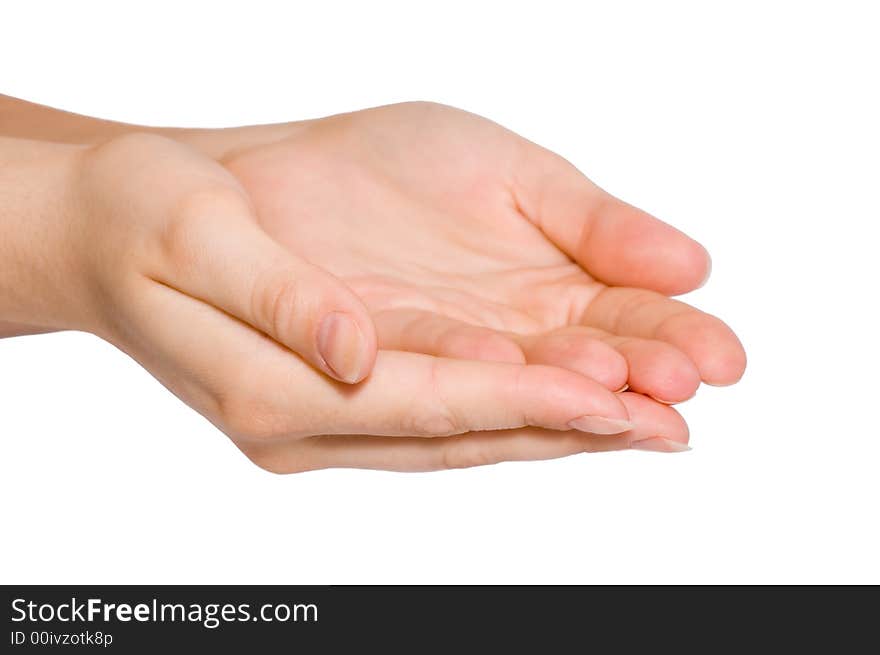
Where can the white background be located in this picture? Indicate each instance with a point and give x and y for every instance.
(751, 126)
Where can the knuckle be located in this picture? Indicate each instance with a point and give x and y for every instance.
(430, 425)
(194, 214)
(433, 417)
(463, 453)
(112, 162)
(276, 300)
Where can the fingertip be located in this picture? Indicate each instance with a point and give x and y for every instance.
(653, 420)
(574, 390)
(723, 369)
(629, 247)
(688, 265)
(661, 371)
(707, 266)
(369, 340)
(675, 384)
(346, 346)
(695, 267)
(345, 338)
(710, 344)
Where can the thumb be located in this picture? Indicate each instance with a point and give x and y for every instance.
(216, 251)
(612, 240)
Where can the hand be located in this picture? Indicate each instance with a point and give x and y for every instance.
(287, 418)
(155, 248)
(467, 241)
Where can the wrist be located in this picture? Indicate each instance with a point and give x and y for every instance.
(41, 280)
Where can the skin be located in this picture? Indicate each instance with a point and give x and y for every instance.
(499, 298)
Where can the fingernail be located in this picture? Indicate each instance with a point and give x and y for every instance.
(600, 425)
(623, 388)
(342, 345)
(660, 445)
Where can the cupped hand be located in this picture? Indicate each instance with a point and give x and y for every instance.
(171, 265)
(467, 241)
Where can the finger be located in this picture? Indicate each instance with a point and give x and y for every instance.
(615, 242)
(434, 334)
(256, 390)
(577, 349)
(425, 332)
(656, 427)
(657, 369)
(707, 341)
(651, 367)
(216, 252)
(412, 394)
(647, 366)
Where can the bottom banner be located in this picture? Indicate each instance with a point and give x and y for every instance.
(285, 618)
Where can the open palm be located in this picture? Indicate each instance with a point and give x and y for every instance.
(465, 240)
